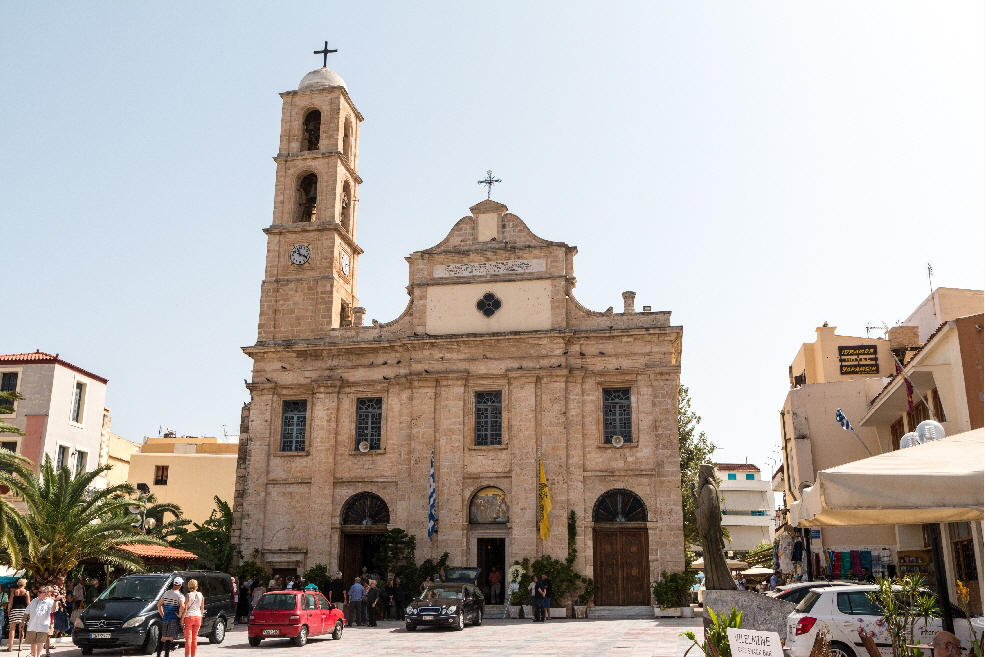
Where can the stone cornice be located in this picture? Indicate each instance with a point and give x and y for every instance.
(311, 155)
(343, 90)
(304, 227)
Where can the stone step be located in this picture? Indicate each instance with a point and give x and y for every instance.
(620, 612)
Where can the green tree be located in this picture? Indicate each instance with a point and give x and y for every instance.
(696, 449)
(69, 521)
(15, 470)
(171, 530)
(212, 540)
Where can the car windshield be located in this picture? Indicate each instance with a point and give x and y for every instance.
(144, 588)
(435, 592)
(278, 602)
(808, 602)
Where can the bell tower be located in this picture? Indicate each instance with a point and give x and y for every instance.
(309, 285)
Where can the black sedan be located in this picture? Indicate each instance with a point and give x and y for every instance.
(451, 604)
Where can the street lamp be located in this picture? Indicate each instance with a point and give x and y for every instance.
(146, 524)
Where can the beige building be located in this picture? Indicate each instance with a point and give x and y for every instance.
(747, 506)
(187, 471)
(115, 451)
(492, 363)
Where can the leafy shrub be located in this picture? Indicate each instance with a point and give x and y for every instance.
(717, 633)
(674, 590)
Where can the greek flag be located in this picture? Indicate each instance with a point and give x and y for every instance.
(843, 421)
(432, 496)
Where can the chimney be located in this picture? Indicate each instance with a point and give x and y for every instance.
(629, 303)
(357, 316)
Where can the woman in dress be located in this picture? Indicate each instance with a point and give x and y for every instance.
(192, 618)
(171, 607)
(19, 598)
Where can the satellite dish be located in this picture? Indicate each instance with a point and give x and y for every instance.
(908, 440)
(135, 509)
(617, 441)
(929, 430)
(364, 447)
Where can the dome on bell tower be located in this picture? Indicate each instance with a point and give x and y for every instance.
(321, 78)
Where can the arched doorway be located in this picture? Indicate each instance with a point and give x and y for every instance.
(621, 548)
(365, 517)
(489, 513)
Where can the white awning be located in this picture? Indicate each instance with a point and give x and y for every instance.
(939, 481)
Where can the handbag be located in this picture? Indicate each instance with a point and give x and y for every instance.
(62, 623)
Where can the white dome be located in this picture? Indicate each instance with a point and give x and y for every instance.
(320, 78)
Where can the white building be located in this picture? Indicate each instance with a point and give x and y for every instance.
(61, 413)
(747, 506)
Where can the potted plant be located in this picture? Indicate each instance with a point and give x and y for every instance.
(584, 599)
(904, 602)
(672, 594)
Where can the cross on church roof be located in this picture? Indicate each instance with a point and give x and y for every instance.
(489, 182)
(324, 54)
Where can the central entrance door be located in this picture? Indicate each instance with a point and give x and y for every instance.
(622, 567)
(358, 550)
(364, 520)
(491, 552)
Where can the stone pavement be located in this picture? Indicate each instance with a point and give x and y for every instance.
(494, 638)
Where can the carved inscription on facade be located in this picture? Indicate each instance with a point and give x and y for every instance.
(490, 268)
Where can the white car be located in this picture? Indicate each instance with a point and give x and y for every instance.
(798, 590)
(846, 609)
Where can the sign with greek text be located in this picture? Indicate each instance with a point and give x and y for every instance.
(752, 643)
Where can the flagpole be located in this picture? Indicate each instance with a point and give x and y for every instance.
(902, 373)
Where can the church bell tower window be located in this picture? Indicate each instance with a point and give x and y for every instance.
(308, 203)
(347, 139)
(312, 131)
(345, 204)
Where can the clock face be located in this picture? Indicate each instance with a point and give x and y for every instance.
(344, 263)
(300, 254)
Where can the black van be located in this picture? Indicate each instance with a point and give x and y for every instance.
(126, 616)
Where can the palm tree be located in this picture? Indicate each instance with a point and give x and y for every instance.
(212, 540)
(14, 471)
(69, 521)
(171, 530)
(7, 399)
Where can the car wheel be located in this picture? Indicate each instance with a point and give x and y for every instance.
(841, 650)
(150, 645)
(218, 632)
(478, 618)
(460, 624)
(337, 632)
(86, 651)
(302, 637)
(411, 628)
(255, 641)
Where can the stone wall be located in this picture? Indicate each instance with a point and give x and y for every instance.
(759, 612)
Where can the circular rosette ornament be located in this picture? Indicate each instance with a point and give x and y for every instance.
(515, 573)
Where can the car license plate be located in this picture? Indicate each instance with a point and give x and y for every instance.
(271, 631)
(101, 635)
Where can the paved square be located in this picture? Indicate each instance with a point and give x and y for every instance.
(494, 638)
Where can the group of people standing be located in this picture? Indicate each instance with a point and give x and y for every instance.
(365, 602)
(540, 597)
(65, 606)
(181, 617)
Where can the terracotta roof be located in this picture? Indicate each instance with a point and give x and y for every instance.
(735, 467)
(41, 358)
(158, 552)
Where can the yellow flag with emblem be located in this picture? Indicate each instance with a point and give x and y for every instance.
(544, 505)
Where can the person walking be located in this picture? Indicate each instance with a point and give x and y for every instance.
(355, 600)
(495, 585)
(372, 597)
(192, 618)
(37, 618)
(20, 597)
(171, 607)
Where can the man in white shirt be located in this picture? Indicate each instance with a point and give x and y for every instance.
(37, 618)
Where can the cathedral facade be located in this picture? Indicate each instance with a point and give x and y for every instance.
(492, 366)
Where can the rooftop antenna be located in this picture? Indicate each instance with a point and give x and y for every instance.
(225, 433)
(884, 328)
(930, 276)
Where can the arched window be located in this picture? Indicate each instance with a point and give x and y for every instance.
(312, 131)
(489, 506)
(345, 205)
(308, 198)
(619, 505)
(365, 509)
(347, 139)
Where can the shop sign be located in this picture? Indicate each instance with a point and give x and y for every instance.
(858, 359)
(753, 643)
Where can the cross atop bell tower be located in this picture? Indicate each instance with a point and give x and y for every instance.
(310, 282)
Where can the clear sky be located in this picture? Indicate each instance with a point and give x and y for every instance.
(757, 168)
